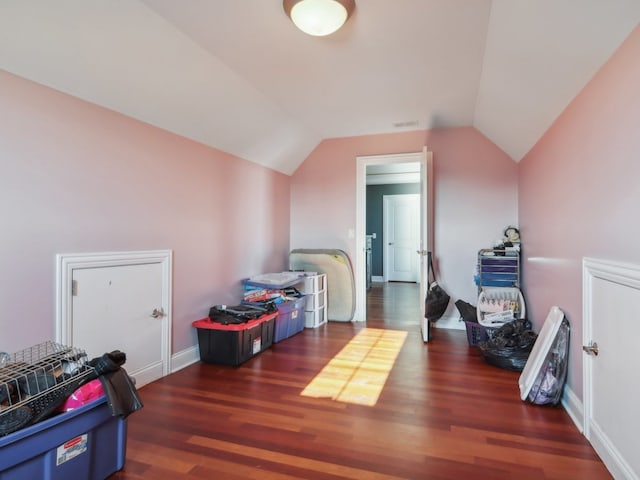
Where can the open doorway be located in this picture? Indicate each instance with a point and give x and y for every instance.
(399, 168)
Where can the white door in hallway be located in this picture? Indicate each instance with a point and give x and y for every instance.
(122, 307)
(401, 220)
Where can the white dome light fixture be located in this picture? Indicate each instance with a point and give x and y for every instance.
(319, 17)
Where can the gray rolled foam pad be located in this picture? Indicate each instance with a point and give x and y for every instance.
(341, 296)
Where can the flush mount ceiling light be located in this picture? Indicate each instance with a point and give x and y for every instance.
(319, 17)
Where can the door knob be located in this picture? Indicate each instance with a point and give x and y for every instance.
(157, 313)
(591, 349)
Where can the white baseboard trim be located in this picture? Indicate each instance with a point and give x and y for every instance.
(375, 278)
(147, 375)
(574, 407)
(451, 322)
(185, 358)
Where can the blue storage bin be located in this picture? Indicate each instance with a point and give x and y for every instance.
(290, 319)
(87, 443)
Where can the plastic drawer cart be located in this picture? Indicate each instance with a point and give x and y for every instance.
(498, 268)
(315, 289)
(499, 297)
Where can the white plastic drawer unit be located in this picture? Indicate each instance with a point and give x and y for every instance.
(315, 283)
(315, 318)
(315, 300)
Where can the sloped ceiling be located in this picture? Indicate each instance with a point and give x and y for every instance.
(237, 75)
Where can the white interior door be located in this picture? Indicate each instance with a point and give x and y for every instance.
(120, 305)
(401, 220)
(611, 293)
(426, 232)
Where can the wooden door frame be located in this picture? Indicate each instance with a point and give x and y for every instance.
(66, 263)
(426, 212)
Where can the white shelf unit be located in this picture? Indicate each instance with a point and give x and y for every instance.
(498, 281)
(314, 287)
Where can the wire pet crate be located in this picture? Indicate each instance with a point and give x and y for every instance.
(36, 380)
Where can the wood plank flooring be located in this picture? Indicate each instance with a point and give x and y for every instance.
(442, 414)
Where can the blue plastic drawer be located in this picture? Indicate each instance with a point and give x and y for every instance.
(505, 261)
(495, 282)
(488, 277)
(499, 268)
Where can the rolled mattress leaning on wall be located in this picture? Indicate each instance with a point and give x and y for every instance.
(341, 293)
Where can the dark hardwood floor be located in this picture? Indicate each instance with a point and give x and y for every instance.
(443, 414)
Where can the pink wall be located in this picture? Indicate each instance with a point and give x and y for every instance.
(475, 196)
(78, 178)
(579, 193)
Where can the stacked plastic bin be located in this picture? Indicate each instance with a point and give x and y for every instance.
(291, 318)
(314, 288)
(498, 268)
(499, 297)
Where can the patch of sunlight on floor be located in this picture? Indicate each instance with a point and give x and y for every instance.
(357, 374)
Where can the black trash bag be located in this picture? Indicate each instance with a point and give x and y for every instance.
(468, 312)
(109, 362)
(510, 345)
(436, 300)
(120, 390)
(513, 328)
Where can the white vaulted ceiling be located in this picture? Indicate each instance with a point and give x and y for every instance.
(237, 75)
